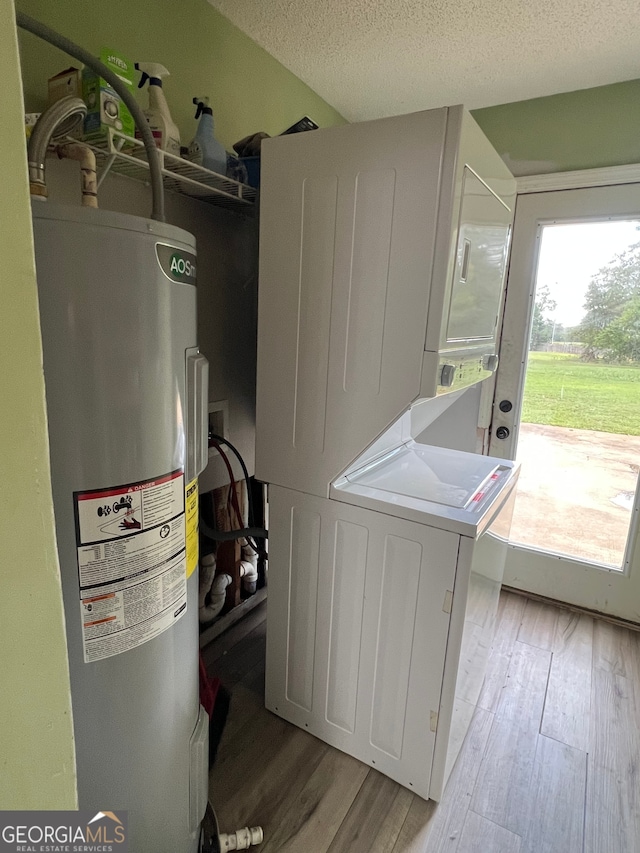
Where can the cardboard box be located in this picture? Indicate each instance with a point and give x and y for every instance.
(67, 82)
(105, 109)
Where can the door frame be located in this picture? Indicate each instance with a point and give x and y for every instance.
(610, 591)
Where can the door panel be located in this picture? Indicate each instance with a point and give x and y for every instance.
(541, 566)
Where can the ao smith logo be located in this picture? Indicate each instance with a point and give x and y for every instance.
(64, 832)
(175, 264)
(182, 266)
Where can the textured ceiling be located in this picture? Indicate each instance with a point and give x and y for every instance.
(371, 58)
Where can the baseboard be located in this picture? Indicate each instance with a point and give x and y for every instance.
(633, 626)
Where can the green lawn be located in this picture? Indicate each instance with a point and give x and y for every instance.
(561, 390)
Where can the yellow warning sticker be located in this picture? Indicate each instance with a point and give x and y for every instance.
(192, 525)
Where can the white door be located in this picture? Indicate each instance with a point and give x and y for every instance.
(567, 397)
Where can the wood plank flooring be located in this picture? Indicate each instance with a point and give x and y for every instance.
(551, 763)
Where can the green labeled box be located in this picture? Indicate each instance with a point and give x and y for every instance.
(105, 109)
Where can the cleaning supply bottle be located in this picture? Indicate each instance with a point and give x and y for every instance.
(162, 126)
(205, 150)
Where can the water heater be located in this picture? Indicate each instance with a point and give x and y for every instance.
(126, 398)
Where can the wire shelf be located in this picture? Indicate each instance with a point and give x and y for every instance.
(126, 156)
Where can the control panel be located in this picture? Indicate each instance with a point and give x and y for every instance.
(460, 370)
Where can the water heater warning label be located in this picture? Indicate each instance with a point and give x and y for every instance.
(192, 517)
(131, 545)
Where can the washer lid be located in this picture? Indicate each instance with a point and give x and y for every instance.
(450, 488)
(449, 477)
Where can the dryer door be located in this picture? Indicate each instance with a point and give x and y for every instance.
(481, 256)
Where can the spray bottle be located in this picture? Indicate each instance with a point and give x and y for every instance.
(162, 126)
(205, 148)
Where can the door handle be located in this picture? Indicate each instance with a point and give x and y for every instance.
(465, 260)
(503, 432)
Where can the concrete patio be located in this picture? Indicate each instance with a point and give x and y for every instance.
(575, 493)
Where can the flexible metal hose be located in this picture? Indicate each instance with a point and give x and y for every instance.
(61, 118)
(25, 22)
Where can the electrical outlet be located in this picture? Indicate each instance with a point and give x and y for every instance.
(219, 418)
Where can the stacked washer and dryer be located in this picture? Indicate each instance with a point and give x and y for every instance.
(382, 264)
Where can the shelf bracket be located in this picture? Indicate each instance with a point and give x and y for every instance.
(110, 161)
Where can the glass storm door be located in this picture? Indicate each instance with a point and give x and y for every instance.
(567, 396)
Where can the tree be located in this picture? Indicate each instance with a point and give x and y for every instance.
(612, 295)
(620, 340)
(574, 334)
(542, 324)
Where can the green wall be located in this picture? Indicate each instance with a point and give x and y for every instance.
(206, 55)
(576, 130)
(37, 762)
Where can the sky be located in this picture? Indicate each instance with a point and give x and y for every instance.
(571, 254)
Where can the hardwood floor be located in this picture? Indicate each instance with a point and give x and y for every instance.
(551, 763)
